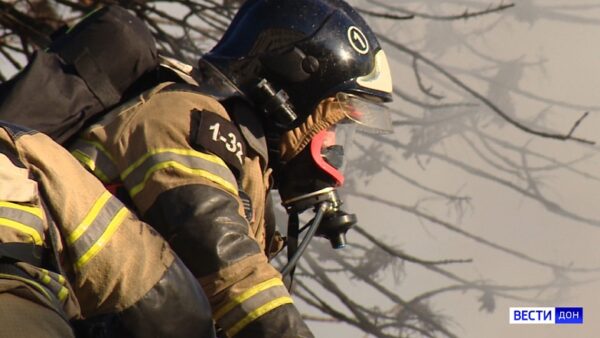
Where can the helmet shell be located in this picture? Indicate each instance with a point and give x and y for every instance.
(309, 49)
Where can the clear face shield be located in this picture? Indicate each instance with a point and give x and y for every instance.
(329, 146)
(369, 113)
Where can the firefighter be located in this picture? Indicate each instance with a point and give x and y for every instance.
(71, 250)
(262, 110)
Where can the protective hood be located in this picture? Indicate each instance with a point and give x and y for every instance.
(327, 114)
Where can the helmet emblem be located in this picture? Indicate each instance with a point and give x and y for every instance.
(358, 41)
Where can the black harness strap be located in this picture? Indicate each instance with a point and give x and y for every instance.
(11, 269)
(292, 248)
(94, 76)
(22, 252)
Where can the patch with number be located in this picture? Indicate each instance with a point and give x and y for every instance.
(219, 136)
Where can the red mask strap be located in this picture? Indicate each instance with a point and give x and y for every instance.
(316, 145)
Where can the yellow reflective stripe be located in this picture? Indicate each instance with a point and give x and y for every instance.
(187, 152)
(96, 158)
(81, 20)
(36, 211)
(37, 286)
(46, 279)
(240, 312)
(89, 218)
(84, 159)
(90, 164)
(246, 295)
(35, 235)
(173, 164)
(257, 313)
(101, 242)
(63, 293)
(100, 147)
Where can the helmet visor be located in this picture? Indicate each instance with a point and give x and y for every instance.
(371, 116)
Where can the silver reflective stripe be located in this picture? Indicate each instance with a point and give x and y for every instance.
(24, 219)
(251, 305)
(96, 229)
(189, 161)
(96, 159)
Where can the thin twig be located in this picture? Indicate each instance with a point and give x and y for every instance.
(481, 97)
(466, 14)
(426, 91)
(577, 123)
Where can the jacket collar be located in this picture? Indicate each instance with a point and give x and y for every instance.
(250, 126)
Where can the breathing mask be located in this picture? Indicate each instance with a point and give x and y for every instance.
(314, 167)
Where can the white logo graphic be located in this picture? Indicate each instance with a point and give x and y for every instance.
(357, 39)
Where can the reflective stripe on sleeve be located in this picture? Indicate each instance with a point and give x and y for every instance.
(188, 161)
(96, 159)
(29, 282)
(252, 304)
(96, 228)
(258, 313)
(53, 282)
(25, 219)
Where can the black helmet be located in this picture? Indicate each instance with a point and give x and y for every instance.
(285, 56)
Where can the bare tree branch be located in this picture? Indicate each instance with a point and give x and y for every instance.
(425, 90)
(466, 14)
(480, 97)
(466, 234)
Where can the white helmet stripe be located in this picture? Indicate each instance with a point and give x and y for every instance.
(380, 77)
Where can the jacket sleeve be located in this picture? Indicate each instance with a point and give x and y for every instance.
(175, 307)
(212, 236)
(191, 197)
(117, 264)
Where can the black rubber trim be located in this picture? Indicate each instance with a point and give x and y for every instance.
(175, 307)
(22, 252)
(203, 226)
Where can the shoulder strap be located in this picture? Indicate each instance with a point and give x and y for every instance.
(22, 252)
(94, 76)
